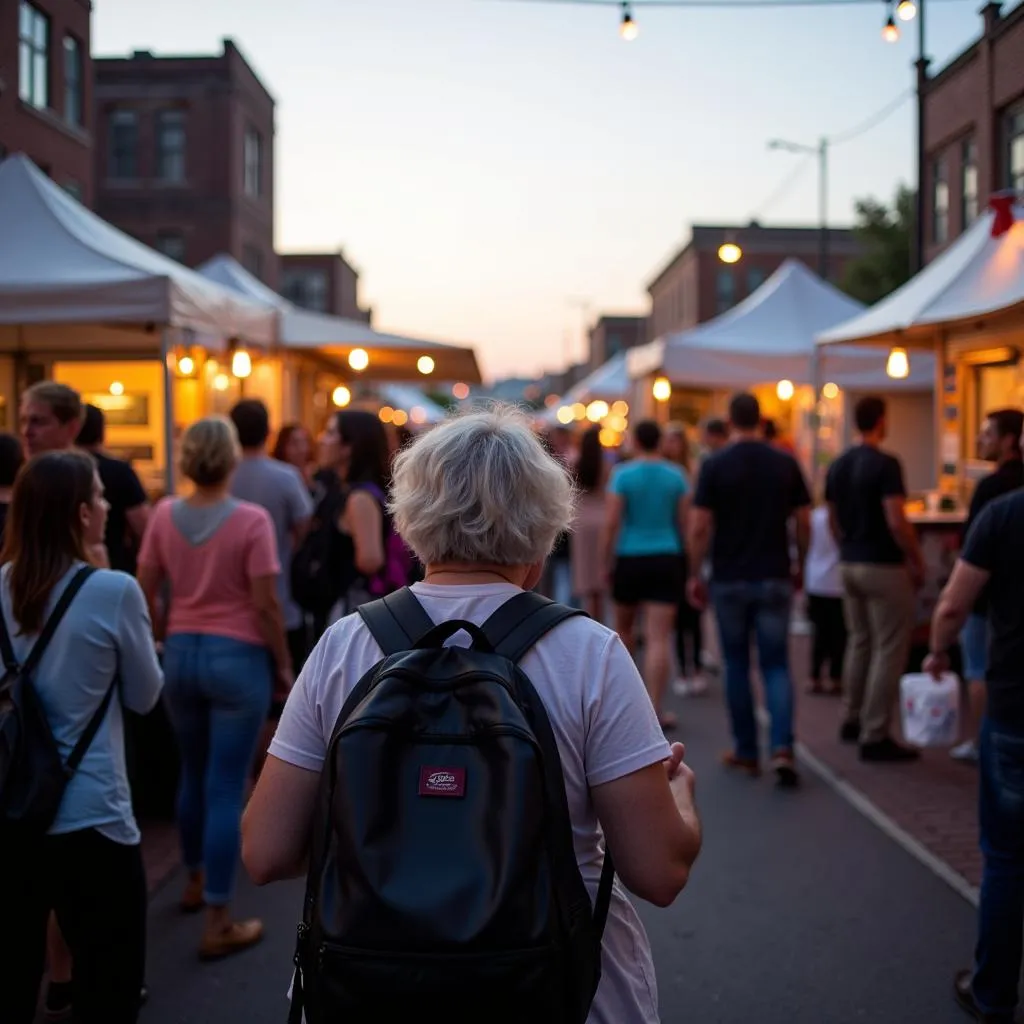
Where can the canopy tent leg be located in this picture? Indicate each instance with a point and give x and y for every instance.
(815, 416)
(168, 382)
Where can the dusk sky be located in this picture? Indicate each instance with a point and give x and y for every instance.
(488, 164)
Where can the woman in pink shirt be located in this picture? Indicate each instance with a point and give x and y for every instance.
(225, 640)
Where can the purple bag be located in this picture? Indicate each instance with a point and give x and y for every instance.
(398, 559)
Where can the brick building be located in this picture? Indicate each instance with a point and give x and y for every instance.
(614, 334)
(974, 129)
(696, 285)
(323, 282)
(46, 88)
(184, 156)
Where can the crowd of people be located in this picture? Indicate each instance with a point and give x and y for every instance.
(236, 602)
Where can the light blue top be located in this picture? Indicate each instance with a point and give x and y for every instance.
(106, 629)
(651, 492)
(280, 489)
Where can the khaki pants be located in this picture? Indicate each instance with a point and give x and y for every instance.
(878, 604)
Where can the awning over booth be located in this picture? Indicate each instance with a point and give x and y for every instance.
(60, 264)
(770, 336)
(977, 283)
(392, 356)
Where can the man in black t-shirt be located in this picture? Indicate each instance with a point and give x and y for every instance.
(999, 442)
(881, 566)
(129, 507)
(992, 560)
(746, 496)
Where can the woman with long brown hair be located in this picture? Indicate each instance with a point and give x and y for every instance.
(99, 660)
(589, 579)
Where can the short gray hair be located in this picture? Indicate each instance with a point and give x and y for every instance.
(481, 488)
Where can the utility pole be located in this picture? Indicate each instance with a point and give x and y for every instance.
(917, 250)
(821, 152)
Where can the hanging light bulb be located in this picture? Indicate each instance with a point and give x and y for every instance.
(425, 365)
(341, 396)
(730, 252)
(906, 10)
(241, 363)
(662, 389)
(358, 359)
(627, 28)
(186, 366)
(785, 390)
(897, 365)
(890, 33)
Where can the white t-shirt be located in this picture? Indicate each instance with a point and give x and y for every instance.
(821, 571)
(603, 721)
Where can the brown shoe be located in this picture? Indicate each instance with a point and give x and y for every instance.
(238, 935)
(192, 899)
(743, 764)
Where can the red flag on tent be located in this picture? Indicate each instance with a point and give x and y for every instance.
(1002, 206)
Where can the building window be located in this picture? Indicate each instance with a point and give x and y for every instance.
(252, 159)
(940, 203)
(252, 260)
(725, 290)
(170, 145)
(124, 145)
(73, 84)
(34, 56)
(969, 184)
(171, 244)
(1015, 150)
(755, 278)
(306, 288)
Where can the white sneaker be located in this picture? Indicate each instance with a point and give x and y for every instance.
(698, 686)
(707, 661)
(682, 687)
(966, 751)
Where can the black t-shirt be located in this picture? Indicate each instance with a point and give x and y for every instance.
(1008, 477)
(995, 543)
(752, 490)
(858, 484)
(123, 491)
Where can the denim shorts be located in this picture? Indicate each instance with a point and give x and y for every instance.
(974, 647)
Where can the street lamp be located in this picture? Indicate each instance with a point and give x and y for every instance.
(821, 151)
(730, 252)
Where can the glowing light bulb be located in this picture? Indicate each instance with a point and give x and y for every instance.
(418, 414)
(564, 415)
(890, 33)
(117, 388)
(620, 408)
(579, 411)
(730, 252)
(830, 390)
(460, 391)
(358, 359)
(401, 418)
(386, 414)
(425, 365)
(221, 382)
(785, 390)
(906, 10)
(897, 365)
(186, 365)
(608, 437)
(662, 389)
(241, 364)
(341, 396)
(627, 27)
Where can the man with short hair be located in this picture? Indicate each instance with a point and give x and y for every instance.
(50, 417)
(999, 442)
(280, 489)
(992, 561)
(129, 506)
(715, 435)
(747, 494)
(881, 567)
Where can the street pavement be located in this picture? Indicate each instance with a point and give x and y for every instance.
(799, 911)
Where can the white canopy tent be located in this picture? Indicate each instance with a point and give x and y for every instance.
(975, 285)
(392, 356)
(770, 336)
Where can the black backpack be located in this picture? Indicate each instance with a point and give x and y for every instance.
(33, 776)
(442, 883)
(315, 568)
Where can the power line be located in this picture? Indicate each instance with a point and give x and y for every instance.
(874, 121)
(654, 4)
(782, 189)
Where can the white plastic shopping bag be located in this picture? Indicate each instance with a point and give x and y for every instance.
(930, 709)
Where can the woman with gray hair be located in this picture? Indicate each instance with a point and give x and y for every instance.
(481, 503)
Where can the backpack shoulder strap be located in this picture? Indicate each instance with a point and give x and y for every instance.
(7, 648)
(85, 740)
(397, 621)
(522, 620)
(59, 610)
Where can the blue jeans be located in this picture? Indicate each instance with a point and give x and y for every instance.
(218, 690)
(749, 611)
(997, 956)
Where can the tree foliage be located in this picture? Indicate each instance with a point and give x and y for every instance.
(886, 233)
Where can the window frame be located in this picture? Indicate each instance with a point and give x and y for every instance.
(113, 168)
(171, 121)
(969, 200)
(940, 213)
(74, 80)
(252, 163)
(722, 303)
(38, 52)
(163, 236)
(1013, 143)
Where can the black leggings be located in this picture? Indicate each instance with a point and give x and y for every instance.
(826, 615)
(688, 624)
(98, 889)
